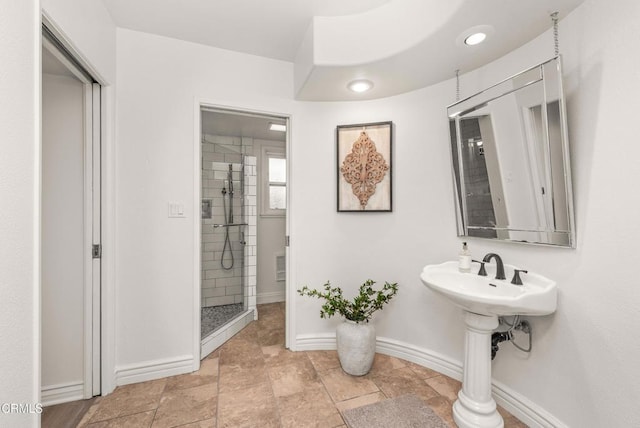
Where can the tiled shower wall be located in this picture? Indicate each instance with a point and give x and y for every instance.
(220, 286)
(251, 231)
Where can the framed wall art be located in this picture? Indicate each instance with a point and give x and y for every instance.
(364, 167)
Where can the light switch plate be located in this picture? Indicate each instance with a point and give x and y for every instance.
(176, 210)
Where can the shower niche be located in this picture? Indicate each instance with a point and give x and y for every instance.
(228, 237)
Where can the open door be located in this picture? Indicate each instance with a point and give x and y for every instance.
(70, 227)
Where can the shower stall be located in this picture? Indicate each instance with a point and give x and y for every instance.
(228, 236)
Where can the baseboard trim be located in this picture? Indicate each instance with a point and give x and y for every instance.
(154, 369)
(315, 342)
(523, 408)
(516, 404)
(271, 297)
(421, 356)
(61, 393)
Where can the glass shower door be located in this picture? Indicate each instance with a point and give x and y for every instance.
(223, 244)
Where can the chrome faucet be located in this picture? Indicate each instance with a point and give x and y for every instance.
(499, 264)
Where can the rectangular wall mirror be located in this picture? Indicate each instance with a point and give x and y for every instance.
(510, 156)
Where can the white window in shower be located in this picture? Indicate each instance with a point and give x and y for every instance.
(274, 178)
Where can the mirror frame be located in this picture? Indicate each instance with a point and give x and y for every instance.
(550, 235)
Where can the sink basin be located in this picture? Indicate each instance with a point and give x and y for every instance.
(486, 295)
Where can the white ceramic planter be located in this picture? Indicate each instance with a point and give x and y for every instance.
(356, 347)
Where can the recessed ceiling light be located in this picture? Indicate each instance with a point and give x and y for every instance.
(277, 127)
(475, 38)
(360, 85)
(474, 35)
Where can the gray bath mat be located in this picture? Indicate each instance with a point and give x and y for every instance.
(406, 411)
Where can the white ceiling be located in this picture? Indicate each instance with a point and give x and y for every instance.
(277, 28)
(270, 28)
(241, 125)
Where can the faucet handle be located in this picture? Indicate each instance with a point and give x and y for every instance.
(482, 271)
(516, 276)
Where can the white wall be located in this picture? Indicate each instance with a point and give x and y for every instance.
(581, 351)
(271, 235)
(348, 248)
(63, 241)
(583, 369)
(20, 196)
(160, 81)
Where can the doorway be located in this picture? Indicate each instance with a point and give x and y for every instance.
(243, 194)
(71, 227)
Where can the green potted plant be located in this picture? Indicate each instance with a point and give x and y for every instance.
(355, 337)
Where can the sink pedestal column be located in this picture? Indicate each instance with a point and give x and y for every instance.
(475, 407)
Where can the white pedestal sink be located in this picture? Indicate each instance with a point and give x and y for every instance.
(484, 299)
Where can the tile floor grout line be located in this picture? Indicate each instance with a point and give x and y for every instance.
(273, 394)
(219, 357)
(217, 418)
(325, 389)
(335, 403)
(89, 423)
(155, 412)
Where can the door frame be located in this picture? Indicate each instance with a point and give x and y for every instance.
(99, 290)
(199, 104)
(93, 225)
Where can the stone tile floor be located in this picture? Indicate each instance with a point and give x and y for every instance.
(252, 381)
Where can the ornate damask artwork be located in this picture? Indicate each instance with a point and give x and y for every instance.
(364, 168)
